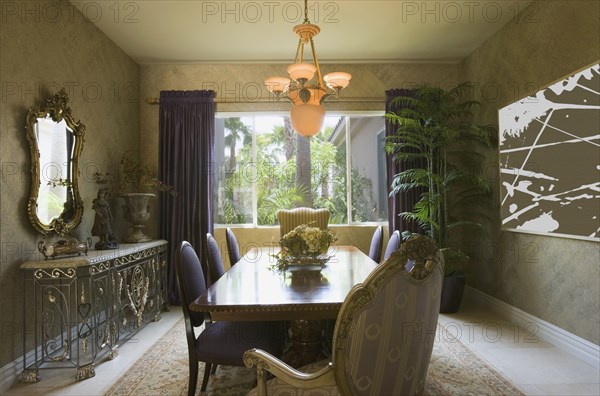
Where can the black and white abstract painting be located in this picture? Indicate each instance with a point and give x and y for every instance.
(550, 159)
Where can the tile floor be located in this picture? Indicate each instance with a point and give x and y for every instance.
(535, 366)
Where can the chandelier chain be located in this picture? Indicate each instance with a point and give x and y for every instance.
(306, 12)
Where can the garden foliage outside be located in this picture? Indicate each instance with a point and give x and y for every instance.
(290, 171)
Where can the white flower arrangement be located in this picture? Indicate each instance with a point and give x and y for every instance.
(304, 245)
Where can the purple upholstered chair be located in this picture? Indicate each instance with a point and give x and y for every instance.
(214, 258)
(376, 244)
(233, 249)
(393, 245)
(384, 332)
(218, 342)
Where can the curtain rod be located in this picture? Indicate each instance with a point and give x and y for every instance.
(155, 101)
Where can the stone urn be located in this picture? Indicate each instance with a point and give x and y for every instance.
(137, 212)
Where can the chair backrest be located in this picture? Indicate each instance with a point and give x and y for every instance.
(190, 280)
(233, 249)
(214, 258)
(386, 328)
(393, 245)
(376, 244)
(292, 218)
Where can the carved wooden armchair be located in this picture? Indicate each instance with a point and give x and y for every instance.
(292, 218)
(384, 332)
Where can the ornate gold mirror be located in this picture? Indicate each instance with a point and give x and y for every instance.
(55, 141)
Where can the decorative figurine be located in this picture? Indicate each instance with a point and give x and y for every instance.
(102, 222)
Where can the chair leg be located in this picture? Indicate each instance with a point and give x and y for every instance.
(207, 368)
(213, 370)
(193, 378)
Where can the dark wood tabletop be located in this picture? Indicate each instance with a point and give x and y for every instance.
(251, 291)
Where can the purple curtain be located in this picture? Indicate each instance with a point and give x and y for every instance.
(186, 153)
(403, 201)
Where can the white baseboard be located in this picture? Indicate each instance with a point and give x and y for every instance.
(578, 347)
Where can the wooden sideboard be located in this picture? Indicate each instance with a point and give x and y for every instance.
(77, 309)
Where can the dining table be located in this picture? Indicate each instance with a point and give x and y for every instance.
(309, 297)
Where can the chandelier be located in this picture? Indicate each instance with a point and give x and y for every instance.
(306, 95)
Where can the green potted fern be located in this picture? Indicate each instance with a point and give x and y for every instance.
(436, 132)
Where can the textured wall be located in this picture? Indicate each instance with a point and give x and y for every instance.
(555, 279)
(49, 47)
(243, 85)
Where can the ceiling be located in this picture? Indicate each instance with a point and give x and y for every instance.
(363, 31)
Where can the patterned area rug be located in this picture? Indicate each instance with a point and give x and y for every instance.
(163, 370)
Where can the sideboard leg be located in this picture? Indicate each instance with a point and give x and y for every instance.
(114, 352)
(30, 376)
(85, 372)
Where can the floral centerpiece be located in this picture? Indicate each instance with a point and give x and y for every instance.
(304, 245)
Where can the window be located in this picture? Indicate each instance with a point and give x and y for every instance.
(264, 165)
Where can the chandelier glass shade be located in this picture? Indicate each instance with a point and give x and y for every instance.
(306, 88)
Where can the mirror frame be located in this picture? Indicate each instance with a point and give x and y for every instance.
(57, 108)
